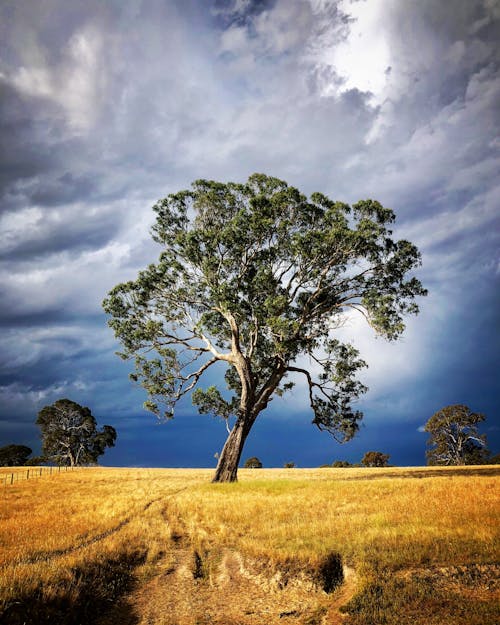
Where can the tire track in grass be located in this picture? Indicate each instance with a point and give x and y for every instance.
(45, 556)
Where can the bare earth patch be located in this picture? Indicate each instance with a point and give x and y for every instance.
(226, 589)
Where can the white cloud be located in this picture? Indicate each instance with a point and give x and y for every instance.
(362, 57)
(74, 83)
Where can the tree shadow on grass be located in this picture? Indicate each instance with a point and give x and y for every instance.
(379, 473)
(92, 592)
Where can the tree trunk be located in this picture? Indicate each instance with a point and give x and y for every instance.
(227, 467)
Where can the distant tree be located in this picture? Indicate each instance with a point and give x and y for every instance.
(494, 459)
(36, 461)
(375, 459)
(341, 464)
(289, 465)
(70, 435)
(253, 463)
(254, 276)
(454, 438)
(14, 455)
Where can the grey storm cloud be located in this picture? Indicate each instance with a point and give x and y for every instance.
(51, 231)
(106, 107)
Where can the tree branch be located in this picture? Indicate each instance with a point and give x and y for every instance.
(194, 377)
(309, 381)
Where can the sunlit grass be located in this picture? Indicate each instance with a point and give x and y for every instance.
(395, 521)
(390, 520)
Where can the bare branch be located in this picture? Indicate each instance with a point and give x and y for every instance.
(309, 381)
(194, 377)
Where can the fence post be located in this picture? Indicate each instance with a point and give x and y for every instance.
(28, 474)
(40, 471)
(12, 478)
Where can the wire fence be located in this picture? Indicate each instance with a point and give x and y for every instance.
(9, 476)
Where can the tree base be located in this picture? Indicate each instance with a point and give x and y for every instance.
(227, 467)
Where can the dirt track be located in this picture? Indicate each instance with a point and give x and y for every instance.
(226, 590)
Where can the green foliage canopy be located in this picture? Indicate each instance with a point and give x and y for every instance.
(256, 275)
(14, 455)
(253, 463)
(454, 437)
(70, 435)
(341, 464)
(375, 459)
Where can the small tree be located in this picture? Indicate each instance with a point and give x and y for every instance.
(256, 276)
(253, 463)
(375, 459)
(14, 455)
(454, 438)
(289, 465)
(70, 435)
(341, 464)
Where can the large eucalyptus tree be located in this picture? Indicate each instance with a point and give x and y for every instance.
(256, 275)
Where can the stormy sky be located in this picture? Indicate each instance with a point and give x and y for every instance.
(107, 106)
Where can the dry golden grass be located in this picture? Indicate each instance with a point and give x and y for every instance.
(72, 543)
(367, 515)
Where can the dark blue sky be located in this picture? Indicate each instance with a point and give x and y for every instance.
(106, 107)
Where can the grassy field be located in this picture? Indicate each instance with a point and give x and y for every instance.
(167, 547)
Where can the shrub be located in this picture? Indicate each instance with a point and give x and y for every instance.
(253, 463)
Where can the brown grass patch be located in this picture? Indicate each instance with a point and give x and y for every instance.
(271, 548)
